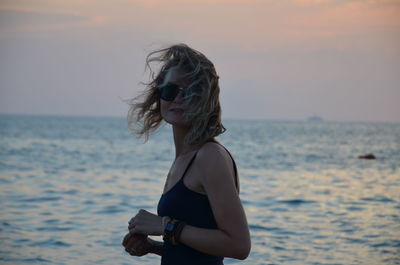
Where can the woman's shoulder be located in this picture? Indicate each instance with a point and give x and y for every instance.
(213, 155)
(214, 149)
(216, 167)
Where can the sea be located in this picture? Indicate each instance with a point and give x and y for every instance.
(69, 185)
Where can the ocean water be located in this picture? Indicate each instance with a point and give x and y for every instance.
(69, 185)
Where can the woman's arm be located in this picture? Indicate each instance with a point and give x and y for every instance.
(232, 239)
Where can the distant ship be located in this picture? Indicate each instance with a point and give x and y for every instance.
(315, 118)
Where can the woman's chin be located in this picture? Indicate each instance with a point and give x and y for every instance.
(179, 121)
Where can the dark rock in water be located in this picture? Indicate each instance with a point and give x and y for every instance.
(368, 156)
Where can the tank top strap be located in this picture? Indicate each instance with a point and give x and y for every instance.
(188, 166)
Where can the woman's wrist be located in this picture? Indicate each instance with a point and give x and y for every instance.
(156, 247)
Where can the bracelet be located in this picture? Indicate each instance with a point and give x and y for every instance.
(178, 231)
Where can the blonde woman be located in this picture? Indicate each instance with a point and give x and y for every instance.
(199, 214)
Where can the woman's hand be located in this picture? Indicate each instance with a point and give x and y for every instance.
(146, 223)
(137, 244)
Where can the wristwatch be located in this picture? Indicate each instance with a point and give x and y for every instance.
(169, 230)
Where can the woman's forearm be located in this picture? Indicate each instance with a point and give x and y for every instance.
(157, 247)
(215, 242)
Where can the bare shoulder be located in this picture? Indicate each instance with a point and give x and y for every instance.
(215, 163)
(212, 148)
(213, 154)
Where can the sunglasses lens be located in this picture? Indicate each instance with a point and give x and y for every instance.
(169, 91)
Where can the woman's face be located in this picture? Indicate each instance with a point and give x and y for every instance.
(172, 111)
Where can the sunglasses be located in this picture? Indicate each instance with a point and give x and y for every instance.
(169, 91)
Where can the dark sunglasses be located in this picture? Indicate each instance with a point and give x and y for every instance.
(169, 91)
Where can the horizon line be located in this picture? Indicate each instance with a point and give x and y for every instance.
(226, 118)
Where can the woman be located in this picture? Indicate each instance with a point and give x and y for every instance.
(200, 215)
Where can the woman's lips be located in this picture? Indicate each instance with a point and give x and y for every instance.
(176, 110)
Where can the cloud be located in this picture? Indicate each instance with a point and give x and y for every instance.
(14, 20)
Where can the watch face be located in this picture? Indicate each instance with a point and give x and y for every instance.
(169, 227)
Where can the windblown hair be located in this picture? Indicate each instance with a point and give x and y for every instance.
(201, 100)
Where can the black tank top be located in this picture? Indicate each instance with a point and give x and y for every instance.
(193, 208)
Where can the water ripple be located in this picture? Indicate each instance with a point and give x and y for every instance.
(40, 199)
(378, 199)
(295, 201)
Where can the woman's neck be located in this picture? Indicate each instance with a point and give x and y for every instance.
(181, 147)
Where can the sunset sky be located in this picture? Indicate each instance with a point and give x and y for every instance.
(281, 59)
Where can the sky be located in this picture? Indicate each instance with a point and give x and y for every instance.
(277, 59)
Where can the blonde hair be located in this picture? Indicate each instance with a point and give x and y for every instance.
(201, 101)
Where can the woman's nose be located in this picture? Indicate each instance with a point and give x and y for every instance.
(179, 98)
